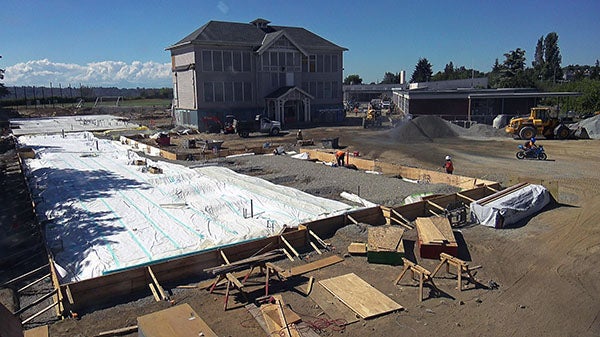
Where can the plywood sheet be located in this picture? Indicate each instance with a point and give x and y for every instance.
(444, 227)
(385, 238)
(177, 321)
(331, 305)
(429, 231)
(359, 295)
(40, 331)
(357, 248)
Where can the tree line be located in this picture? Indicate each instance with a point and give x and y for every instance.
(545, 74)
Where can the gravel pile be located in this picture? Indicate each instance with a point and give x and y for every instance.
(328, 182)
(591, 126)
(427, 128)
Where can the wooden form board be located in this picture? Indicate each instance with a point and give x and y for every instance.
(177, 321)
(322, 263)
(433, 177)
(385, 238)
(40, 331)
(435, 230)
(332, 306)
(360, 296)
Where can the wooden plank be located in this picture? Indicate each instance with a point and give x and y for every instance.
(360, 296)
(154, 293)
(315, 248)
(331, 305)
(443, 226)
(160, 290)
(271, 310)
(384, 238)
(118, 332)
(290, 246)
(40, 331)
(428, 232)
(309, 286)
(322, 263)
(357, 248)
(180, 320)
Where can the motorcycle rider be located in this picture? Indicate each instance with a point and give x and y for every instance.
(530, 146)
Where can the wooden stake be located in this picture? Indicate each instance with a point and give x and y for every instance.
(287, 254)
(154, 293)
(315, 247)
(224, 257)
(406, 221)
(311, 280)
(352, 219)
(319, 240)
(289, 246)
(158, 287)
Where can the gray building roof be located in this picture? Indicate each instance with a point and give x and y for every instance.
(250, 34)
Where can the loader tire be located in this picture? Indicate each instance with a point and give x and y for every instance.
(562, 132)
(527, 132)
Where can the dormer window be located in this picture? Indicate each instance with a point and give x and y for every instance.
(261, 23)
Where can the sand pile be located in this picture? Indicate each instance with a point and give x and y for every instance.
(480, 130)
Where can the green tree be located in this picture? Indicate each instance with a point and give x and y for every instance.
(589, 101)
(538, 58)
(422, 71)
(390, 78)
(512, 74)
(552, 69)
(353, 79)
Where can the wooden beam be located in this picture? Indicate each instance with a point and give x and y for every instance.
(117, 332)
(431, 203)
(69, 296)
(289, 246)
(315, 248)
(18, 278)
(154, 293)
(305, 268)
(40, 312)
(352, 219)
(289, 256)
(458, 194)
(160, 290)
(401, 223)
(224, 257)
(396, 213)
(319, 240)
(34, 282)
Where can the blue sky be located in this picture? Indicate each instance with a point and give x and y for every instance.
(122, 43)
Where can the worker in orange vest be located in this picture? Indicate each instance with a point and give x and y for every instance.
(448, 166)
(339, 157)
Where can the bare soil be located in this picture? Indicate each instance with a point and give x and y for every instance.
(547, 268)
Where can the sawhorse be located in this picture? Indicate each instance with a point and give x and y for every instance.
(462, 267)
(424, 276)
(268, 269)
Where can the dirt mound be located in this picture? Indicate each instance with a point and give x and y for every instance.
(423, 128)
(592, 126)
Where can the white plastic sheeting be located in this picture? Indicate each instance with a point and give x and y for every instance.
(28, 126)
(104, 214)
(512, 207)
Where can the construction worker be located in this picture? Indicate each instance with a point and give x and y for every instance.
(299, 135)
(339, 157)
(448, 165)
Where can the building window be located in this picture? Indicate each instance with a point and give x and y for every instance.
(228, 91)
(335, 89)
(320, 90)
(327, 90)
(312, 63)
(208, 92)
(238, 92)
(246, 64)
(327, 63)
(319, 64)
(334, 63)
(217, 60)
(227, 65)
(237, 61)
(218, 91)
(247, 92)
(206, 60)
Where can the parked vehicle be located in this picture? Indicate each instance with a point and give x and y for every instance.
(535, 153)
(541, 121)
(259, 124)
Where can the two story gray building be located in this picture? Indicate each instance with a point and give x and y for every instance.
(288, 74)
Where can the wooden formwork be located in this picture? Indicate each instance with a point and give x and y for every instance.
(432, 177)
(109, 288)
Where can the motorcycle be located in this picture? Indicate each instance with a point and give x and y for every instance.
(535, 153)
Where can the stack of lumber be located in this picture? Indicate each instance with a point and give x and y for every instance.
(435, 237)
(385, 245)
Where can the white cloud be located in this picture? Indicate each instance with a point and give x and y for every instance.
(104, 73)
(223, 7)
